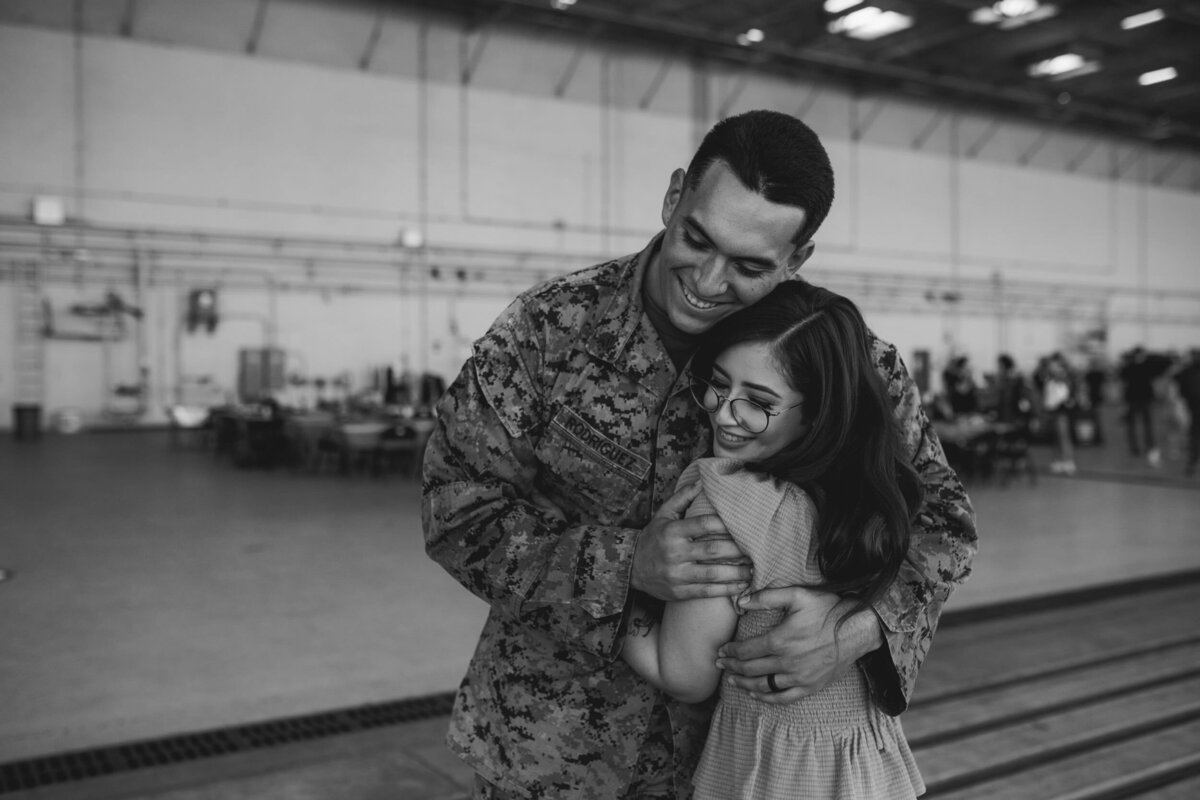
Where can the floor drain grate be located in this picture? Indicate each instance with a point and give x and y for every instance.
(82, 764)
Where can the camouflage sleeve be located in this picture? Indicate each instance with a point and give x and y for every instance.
(943, 544)
(486, 523)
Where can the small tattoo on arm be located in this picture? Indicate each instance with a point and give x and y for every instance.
(640, 626)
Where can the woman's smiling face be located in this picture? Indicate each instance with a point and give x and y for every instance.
(749, 371)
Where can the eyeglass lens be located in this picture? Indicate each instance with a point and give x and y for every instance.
(751, 417)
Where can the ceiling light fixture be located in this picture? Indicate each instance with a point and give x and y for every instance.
(838, 6)
(1003, 14)
(1144, 18)
(1065, 65)
(1015, 8)
(870, 23)
(562, 4)
(1157, 76)
(752, 36)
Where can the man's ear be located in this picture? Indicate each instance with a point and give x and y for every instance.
(799, 256)
(673, 195)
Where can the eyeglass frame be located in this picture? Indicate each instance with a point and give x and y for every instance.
(722, 399)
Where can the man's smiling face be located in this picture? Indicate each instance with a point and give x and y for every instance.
(725, 248)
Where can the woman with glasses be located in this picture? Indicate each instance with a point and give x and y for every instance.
(808, 474)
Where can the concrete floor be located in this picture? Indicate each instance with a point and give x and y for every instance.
(156, 590)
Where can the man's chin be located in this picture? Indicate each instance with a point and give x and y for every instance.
(694, 322)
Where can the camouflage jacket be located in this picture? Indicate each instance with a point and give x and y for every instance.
(564, 432)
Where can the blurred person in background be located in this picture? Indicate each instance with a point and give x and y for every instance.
(958, 382)
(1060, 400)
(1095, 379)
(1188, 381)
(1015, 401)
(1139, 370)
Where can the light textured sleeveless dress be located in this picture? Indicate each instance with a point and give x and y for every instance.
(834, 745)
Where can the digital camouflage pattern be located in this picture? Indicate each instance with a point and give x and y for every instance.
(564, 432)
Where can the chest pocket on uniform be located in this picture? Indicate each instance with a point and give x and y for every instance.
(586, 474)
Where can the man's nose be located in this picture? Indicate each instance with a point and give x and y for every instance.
(711, 281)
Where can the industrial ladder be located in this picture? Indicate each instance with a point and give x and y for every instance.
(29, 346)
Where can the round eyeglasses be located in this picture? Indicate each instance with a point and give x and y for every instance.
(746, 413)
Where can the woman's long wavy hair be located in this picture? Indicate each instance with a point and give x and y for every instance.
(850, 459)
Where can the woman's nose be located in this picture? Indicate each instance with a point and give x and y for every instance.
(724, 413)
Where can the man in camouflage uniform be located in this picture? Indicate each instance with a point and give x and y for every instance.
(549, 492)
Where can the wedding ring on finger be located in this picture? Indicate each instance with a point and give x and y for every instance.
(771, 682)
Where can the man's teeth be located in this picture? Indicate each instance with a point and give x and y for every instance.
(696, 301)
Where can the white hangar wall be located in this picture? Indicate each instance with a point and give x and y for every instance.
(279, 159)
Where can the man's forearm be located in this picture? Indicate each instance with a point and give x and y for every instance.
(861, 633)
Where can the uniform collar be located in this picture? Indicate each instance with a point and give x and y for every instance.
(624, 335)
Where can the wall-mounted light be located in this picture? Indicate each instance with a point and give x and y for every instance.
(411, 238)
(48, 211)
(202, 310)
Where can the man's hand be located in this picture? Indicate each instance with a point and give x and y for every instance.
(800, 651)
(682, 559)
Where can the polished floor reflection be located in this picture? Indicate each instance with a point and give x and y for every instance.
(154, 589)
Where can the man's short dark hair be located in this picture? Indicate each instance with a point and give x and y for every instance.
(775, 155)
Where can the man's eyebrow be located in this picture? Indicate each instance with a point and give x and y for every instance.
(699, 229)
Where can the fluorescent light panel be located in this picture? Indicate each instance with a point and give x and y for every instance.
(1157, 76)
(752, 36)
(989, 15)
(1145, 18)
(1015, 8)
(1060, 67)
(869, 23)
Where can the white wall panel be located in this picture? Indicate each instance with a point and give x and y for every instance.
(905, 204)
(201, 124)
(37, 134)
(296, 141)
(1047, 224)
(1173, 234)
(533, 159)
(641, 168)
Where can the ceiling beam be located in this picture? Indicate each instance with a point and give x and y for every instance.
(256, 27)
(128, 18)
(977, 146)
(1036, 147)
(368, 55)
(928, 130)
(1077, 160)
(581, 46)
(852, 67)
(657, 81)
(726, 105)
(864, 121)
